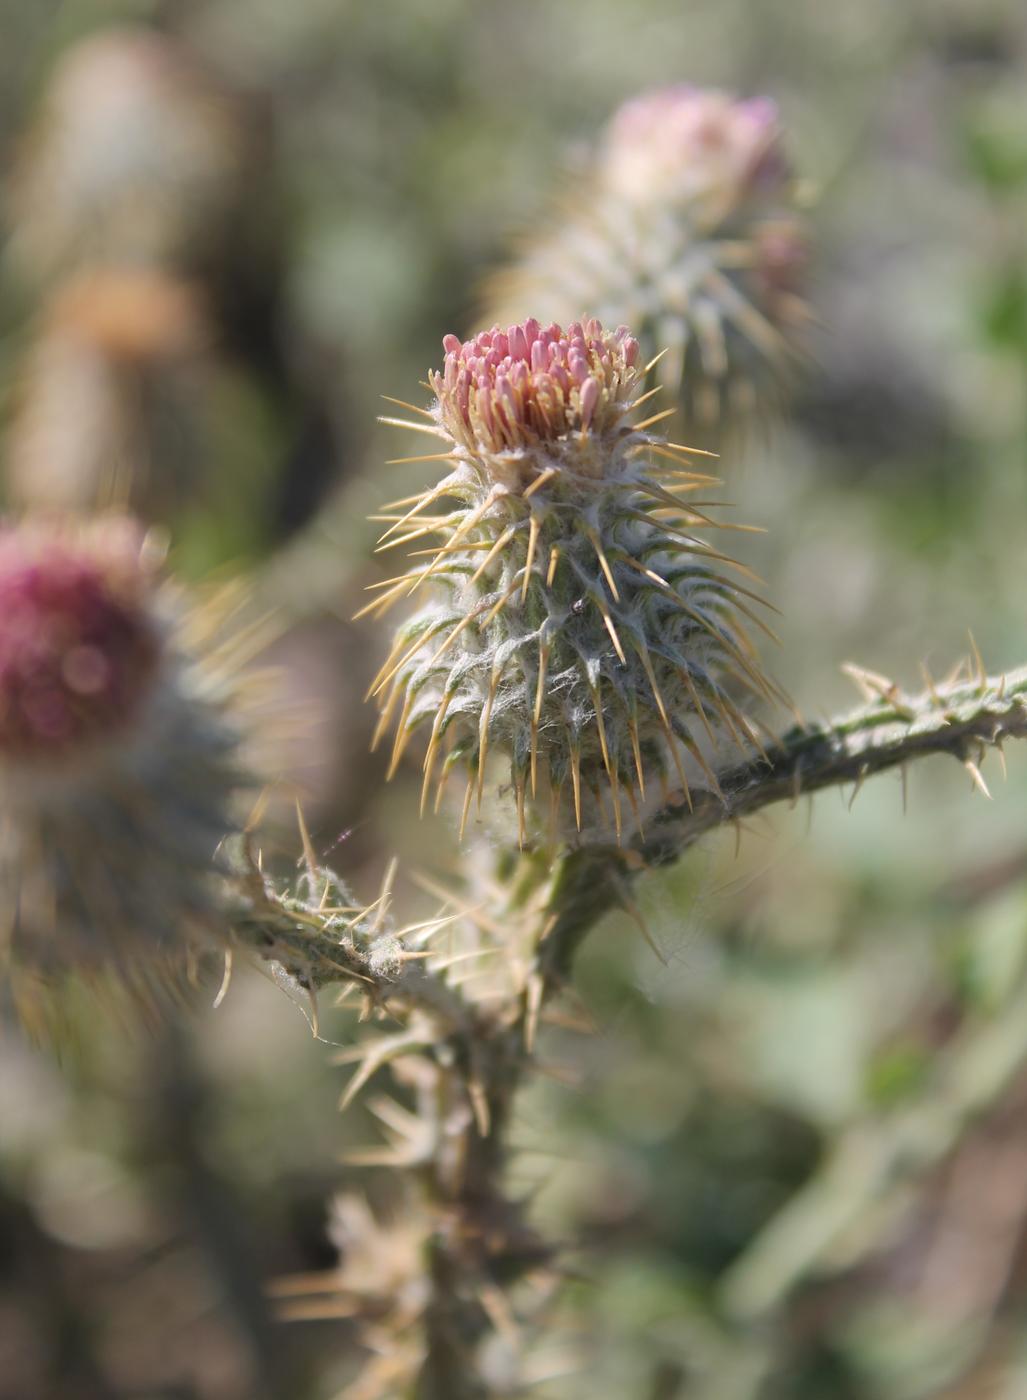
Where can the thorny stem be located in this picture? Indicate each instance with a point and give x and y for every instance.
(486, 1057)
(893, 729)
(962, 720)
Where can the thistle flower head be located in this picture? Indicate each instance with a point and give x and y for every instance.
(684, 228)
(118, 763)
(525, 385)
(687, 143)
(529, 394)
(573, 619)
(78, 647)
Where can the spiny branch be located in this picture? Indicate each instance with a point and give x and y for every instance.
(318, 951)
(963, 718)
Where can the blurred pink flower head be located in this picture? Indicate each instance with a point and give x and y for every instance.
(78, 645)
(686, 142)
(513, 389)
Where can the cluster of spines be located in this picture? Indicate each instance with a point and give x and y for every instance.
(314, 928)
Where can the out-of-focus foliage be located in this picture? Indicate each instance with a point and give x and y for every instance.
(793, 1161)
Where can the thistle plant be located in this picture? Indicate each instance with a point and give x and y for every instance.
(685, 227)
(574, 630)
(574, 620)
(119, 758)
(461, 1287)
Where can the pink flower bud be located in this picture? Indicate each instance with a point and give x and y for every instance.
(686, 143)
(589, 400)
(519, 384)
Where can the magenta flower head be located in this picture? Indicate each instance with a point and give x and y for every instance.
(685, 228)
(78, 648)
(118, 763)
(574, 620)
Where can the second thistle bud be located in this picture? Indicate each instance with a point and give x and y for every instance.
(686, 227)
(573, 619)
(118, 764)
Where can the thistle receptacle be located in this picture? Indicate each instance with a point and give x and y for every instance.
(573, 620)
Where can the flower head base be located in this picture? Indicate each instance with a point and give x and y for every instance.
(685, 228)
(78, 646)
(119, 760)
(575, 621)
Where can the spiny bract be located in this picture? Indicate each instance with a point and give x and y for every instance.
(685, 228)
(574, 621)
(118, 763)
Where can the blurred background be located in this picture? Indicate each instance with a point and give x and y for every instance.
(792, 1160)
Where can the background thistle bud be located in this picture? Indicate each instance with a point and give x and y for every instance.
(165, 370)
(686, 229)
(118, 375)
(574, 621)
(117, 763)
(138, 157)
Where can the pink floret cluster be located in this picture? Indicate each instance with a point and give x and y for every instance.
(77, 650)
(692, 142)
(504, 390)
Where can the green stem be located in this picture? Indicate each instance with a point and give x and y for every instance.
(962, 720)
